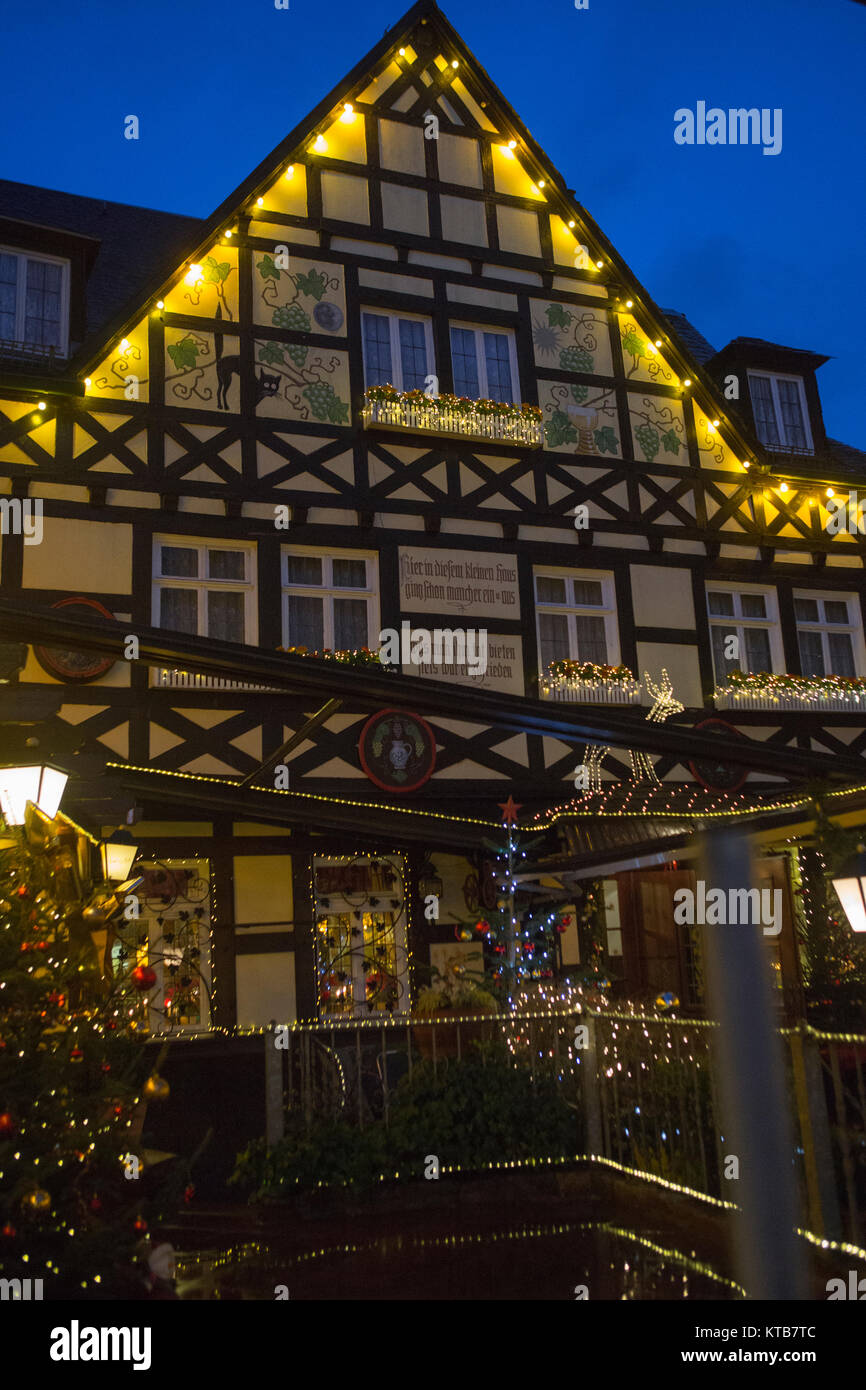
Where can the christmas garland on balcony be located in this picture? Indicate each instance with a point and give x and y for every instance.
(588, 673)
(358, 656)
(765, 683)
(453, 405)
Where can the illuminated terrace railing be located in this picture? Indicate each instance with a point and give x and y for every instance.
(585, 684)
(421, 414)
(822, 694)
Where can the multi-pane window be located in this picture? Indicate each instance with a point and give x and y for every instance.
(33, 300)
(576, 616)
(329, 601)
(828, 634)
(779, 405)
(483, 364)
(398, 349)
(743, 629)
(206, 588)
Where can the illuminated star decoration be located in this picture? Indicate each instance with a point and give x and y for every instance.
(664, 704)
(509, 810)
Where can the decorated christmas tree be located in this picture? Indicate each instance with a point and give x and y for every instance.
(520, 937)
(834, 961)
(73, 1078)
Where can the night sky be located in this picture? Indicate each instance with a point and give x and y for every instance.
(743, 243)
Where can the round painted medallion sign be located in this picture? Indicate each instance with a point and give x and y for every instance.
(397, 750)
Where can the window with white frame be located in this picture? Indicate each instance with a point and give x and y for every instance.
(330, 602)
(779, 406)
(576, 617)
(398, 349)
(484, 363)
(205, 588)
(829, 634)
(744, 630)
(34, 299)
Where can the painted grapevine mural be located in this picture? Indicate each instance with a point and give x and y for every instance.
(658, 430)
(208, 289)
(641, 358)
(579, 417)
(570, 338)
(301, 380)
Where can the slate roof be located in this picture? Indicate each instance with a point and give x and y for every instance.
(133, 242)
(696, 343)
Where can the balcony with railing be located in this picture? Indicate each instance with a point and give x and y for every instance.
(779, 693)
(172, 678)
(412, 411)
(583, 682)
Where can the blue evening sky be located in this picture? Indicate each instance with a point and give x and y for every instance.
(743, 243)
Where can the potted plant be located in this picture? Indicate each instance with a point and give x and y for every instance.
(453, 992)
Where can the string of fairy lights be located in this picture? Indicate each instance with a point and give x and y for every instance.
(590, 256)
(190, 1264)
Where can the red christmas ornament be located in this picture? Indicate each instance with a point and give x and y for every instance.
(118, 1110)
(139, 1225)
(7, 1125)
(566, 919)
(76, 1054)
(143, 977)
(106, 1066)
(8, 1232)
(188, 1193)
(23, 890)
(482, 927)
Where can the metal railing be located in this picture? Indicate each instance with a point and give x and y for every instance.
(352, 1068)
(642, 1087)
(175, 679)
(650, 1102)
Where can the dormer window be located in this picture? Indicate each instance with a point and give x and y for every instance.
(779, 405)
(34, 301)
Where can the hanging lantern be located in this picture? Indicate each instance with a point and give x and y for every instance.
(117, 855)
(849, 882)
(42, 784)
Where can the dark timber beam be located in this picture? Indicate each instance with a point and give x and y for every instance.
(305, 677)
(297, 737)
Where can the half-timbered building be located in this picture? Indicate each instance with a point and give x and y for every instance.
(401, 381)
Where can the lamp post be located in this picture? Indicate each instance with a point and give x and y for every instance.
(117, 855)
(41, 783)
(849, 882)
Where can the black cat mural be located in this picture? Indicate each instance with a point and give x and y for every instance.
(267, 383)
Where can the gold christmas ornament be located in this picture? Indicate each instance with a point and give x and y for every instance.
(37, 1200)
(156, 1088)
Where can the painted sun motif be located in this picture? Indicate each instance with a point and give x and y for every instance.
(547, 340)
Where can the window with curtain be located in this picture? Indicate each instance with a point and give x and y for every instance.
(330, 602)
(576, 618)
(750, 616)
(779, 406)
(829, 634)
(33, 300)
(398, 349)
(204, 588)
(483, 362)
